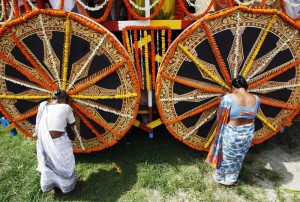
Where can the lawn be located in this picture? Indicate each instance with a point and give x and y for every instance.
(135, 169)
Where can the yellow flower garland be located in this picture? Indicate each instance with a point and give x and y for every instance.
(123, 96)
(66, 53)
(148, 76)
(258, 47)
(201, 66)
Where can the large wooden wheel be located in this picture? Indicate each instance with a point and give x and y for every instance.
(262, 45)
(44, 50)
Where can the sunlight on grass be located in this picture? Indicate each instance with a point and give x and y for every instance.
(135, 169)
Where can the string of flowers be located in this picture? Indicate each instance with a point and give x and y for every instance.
(258, 46)
(28, 55)
(62, 4)
(24, 84)
(106, 12)
(86, 62)
(66, 53)
(236, 47)
(96, 8)
(279, 72)
(113, 111)
(262, 3)
(153, 58)
(128, 46)
(245, 3)
(141, 59)
(169, 37)
(90, 126)
(199, 125)
(137, 60)
(24, 97)
(26, 115)
(260, 117)
(147, 69)
(16, 7)
(133, 13)
(25, 73)
(189, 98)
(49, 50)
(25, 3)
(163, 41)
(143, 8)
(230, 3)
(193, 85)
(217, 53)
(271, 56)
(182, 4)
(91, 80)
(194, 112)
(202, 67)
(90, 116)
(79, 137)
(276, 103)
(274, 88)
(97, 97)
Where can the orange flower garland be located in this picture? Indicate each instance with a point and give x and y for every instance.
(62, 4)
(25, 116)
(131, 11)
(137, 60)
(16, 8)
(182, 4)
(106, 12)
(194, 112)
(193, 85)
(217, 53)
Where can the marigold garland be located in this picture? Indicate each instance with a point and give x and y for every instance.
(284, 69)
(24, 97)
(273, 103)
(102, 124)
(133, 13)
(62, 4)
(66, 53)
(90, 126)
(260, 117)
(217, 53)
(137, 60)
(26, 5)
(91, 80)
(16, 8)
(182, 4)
(25, 73)
(97, 97)
(258, 46)
(163, 43)
(106, 12)
(190, 84)
(26, 53)
(147, 69)
(194, 112)
(202, 67)
(25, 116)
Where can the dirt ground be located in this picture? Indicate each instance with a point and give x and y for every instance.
(281, 153)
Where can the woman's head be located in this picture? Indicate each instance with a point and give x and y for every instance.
(239, 82)
(59, 94)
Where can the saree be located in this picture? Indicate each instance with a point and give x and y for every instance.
(230, 145)
(56, 161)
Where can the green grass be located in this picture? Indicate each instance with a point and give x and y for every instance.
(135, 169)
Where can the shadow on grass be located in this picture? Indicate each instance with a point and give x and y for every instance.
(115, 169)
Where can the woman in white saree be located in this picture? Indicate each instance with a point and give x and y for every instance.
(56, 161)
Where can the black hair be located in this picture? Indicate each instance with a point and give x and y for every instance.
(59, 94)
(239, 82)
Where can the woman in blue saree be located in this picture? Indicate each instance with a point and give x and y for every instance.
(235, 131)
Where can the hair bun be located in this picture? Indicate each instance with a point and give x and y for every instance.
(57, 92)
